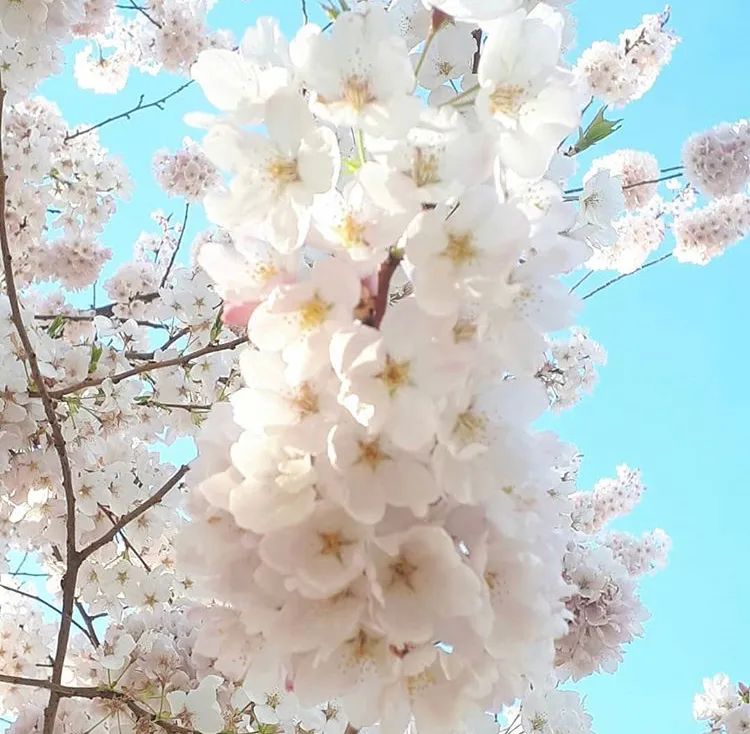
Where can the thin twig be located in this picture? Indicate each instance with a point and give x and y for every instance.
(581, 281)
(172, 259)
(148, 367)
(184, 331)
(90, 317)
(627, 275)
(89, 622)
(639, 183)
(180, 406)
(71, 559)
(110, 694)
(477, 35)
(135, 513)
(126, 115)
(305, 16)
(142, 11)
(44, 602)
(387, 269)
(128, 545)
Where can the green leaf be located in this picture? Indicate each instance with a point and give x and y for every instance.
(216, 327)
(56, 327)
(599, 129)
(330, 10)
(96, 354)
(352, 165)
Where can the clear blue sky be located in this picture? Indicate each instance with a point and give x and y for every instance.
(673, 398)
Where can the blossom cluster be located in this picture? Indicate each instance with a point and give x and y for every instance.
(619, 73)
(569, 370)
(187, 173)
(404, 535)
(725, 706)
(375, 534)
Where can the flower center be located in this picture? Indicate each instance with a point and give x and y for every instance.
(283, 171)
(357, 92)
(464, 330)
(424, 167)
(506, 99)
(370, 454)
(331, 544)
(445, 68)
(313, 313)
(273, 700)
(461, 250)
(394, 374)
(420, 682)
(469, 426)
(351, 232)
(306, 401)
(402, 571)
(265, 272)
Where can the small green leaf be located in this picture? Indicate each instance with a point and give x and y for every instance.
(331, 12)
(96, 354)
(56, 327)
(352, 165)
(599, 129)
(216, 327)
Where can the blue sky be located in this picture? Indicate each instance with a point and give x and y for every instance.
(673, 398)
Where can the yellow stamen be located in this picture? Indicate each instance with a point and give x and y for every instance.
(395, 374)
(313, 313)
(461, 249)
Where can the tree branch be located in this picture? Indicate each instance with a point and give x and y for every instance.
(135, 513)
(172, 259)
(581, 281)
(126, 115)
(148, 367)
(140, 9)
(641, 183)
(89, 622)
(387, 269)
(92, 693)
(627, 275)
(128, 545)
(39, 599)
(71, 560)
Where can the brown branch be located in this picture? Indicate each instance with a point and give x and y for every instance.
(71, 559)
(89, 692)
(581, 281)
(148, 367)
(639, 183)
(180, 406)
(170, 264)
(90, 317)
(159, 103)
(627, 275)
(128, 545)
(140, 9)
(39, 599)
(387, 269)
(108, 309)
(477, 35)
(135, 513)
(184, 331)
(89, 622)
